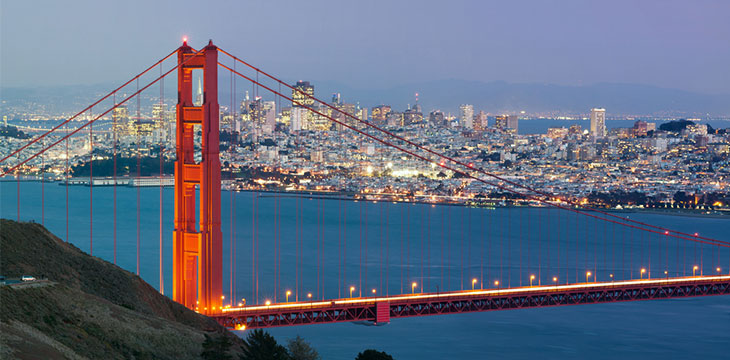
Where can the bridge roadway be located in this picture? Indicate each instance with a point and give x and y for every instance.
(379, 310)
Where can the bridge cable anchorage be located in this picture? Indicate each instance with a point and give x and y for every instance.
(65, 122)
(450, 159)
(647, 227)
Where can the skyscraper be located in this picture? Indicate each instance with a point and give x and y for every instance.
(512, 122)
(302, 94)
(506, 122)
(467, 116)
(598, 122)
(379, 114)
(199, 94)
(480, 121)
(436, 118)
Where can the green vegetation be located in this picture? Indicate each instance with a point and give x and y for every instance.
(89, 307)
(216, 348)
(681, 124)
(301, 350)
(260, 345)
(373, 355)
(13, 132)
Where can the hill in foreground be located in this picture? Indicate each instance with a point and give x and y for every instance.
(88, 308)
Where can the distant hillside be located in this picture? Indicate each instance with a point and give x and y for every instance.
(499, 96)
(447, 95)
(90, 309)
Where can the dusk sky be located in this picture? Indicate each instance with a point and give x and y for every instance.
(371, 44)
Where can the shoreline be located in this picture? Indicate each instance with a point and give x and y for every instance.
(350, 196)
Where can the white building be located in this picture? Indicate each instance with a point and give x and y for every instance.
(598, 122)
(467, 116)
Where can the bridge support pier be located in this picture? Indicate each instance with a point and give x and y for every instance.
(197, 244)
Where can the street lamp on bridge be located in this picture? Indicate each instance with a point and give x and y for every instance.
(288, 292)
(532, 277)
(473, 281)
(413, 287)
(588, 275)
(641, 273)
(694, 270)
(352, 288)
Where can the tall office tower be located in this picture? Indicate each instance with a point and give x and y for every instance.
(301, 94)
(512, 122)
(506, 122)
(300, 98)
(416, 106)
(362, 114)
(436, 118)
(500, 122)
(467, 116)
(480, 121)
(413, 115)
(199, 94)
(298, 119)
(120, 118)
(285, 116)
(379, 114)
(269, 117)
(336, 100)
(598, 122)
(158, 114)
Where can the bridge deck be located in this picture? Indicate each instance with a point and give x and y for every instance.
(422, 304)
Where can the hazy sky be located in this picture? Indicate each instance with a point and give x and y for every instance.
(376, 43)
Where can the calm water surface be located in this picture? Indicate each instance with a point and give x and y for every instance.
(441, 247)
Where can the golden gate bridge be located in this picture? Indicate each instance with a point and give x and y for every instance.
(588, 270)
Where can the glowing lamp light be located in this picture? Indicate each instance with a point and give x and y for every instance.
(268, 302)
(185, 39)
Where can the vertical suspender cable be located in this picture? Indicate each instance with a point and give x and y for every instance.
(161, 154)
(114, 171)
(43, 185)
(91, 187)
(67, 175)
(139, 160)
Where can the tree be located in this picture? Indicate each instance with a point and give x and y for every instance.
(371, 354)
(216, 348)
(260, 345)
(301, 350)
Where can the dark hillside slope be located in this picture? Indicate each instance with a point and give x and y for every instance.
(90, 307)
